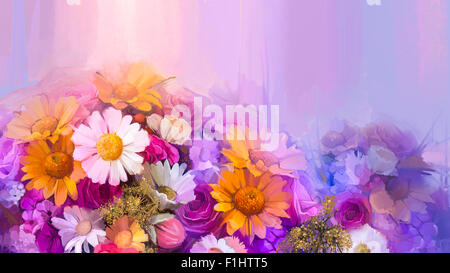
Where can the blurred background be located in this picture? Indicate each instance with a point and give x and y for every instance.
(318, 59)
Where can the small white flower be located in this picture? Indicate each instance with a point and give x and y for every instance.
(368, 240)
(79, 229)
(381, 160)
(173, 187)
(170, 128)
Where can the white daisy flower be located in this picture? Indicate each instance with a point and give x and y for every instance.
(109, 145)
(79, 229)
(173, 187)
(367, 240)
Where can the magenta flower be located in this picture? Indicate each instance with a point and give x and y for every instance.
(93, 195)
(353, 211)
(160, 150)
(199, 216)
(48, 240)
(48, 210)
(30, 199)
(33, 221)
(302, 205)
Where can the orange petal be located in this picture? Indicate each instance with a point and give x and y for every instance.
(61, 193)
(258, 227)
(277, 212)
(224, 207)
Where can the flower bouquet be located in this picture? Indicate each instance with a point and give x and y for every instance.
(110, 161)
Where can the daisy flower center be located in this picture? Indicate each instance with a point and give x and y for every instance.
(44, 124)
(249, 200)
(171, 194)
(83, 228)
(58, 164)
(123, 239)
(362, 248)
(109, 147)
(126, 91)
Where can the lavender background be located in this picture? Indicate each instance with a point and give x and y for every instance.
(318, 59)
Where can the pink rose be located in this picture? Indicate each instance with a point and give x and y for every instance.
(160, 150)
(353, 212)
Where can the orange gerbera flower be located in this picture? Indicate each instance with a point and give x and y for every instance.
(126, 233)
(251, 203)
(52, 169)
(43, 119)
(246, 153)
(130, 85)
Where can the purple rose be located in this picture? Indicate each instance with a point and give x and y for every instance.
(199, 216)
(353, 212)
(93, 195)
(48, 240)
(9, 158)
(387, 135)
(160, 150)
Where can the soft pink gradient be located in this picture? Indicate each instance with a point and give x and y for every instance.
(318, 60)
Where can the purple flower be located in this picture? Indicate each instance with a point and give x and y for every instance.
(34, 221)
(48, 240)
(38, 214)
(160, 150)
(48, 210)
(341, 138)
(30, 199)
(303, 205)
(9, 158)
(353, 211)
(387, 135)
(270, 243)
(204, 154)
(93, 195)
(199, 216)
(10, 193)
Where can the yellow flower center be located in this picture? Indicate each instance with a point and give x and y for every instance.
(249, 200)
(123, 239)
(83, 228)
(171, 194)
(44, 124)
(109, 147)
(58, 164)
(126, 91)
(362, 248)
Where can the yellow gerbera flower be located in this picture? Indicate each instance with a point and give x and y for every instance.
(131, 85)
(43, 119)
(52, 169)
(250, 203)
